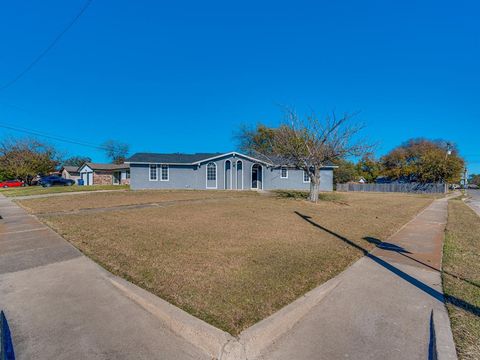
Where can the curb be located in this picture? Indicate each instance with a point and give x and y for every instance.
(204, 336)
(443, 344)
(217, 343)
(263, 334)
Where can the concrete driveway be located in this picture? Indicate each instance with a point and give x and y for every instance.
(61, 305)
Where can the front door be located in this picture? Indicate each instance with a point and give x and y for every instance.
(256, 176)
(117, 175)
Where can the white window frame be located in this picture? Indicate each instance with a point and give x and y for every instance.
(161, 167)
(150, 167)
(127, 174)
(281, 172)
(206, 176)
(306, 173)
(231, 174)
(236, 174)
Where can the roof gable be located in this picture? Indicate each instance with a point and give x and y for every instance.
(70, 169)
(101, 166)
(183, 159)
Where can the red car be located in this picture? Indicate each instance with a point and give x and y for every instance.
(11, 183)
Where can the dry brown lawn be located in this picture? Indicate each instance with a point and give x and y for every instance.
(235, 260)
(93, 200)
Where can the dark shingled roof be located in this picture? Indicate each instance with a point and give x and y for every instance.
(71, 169)
(175, 158)
(98, 166)
(179, 158)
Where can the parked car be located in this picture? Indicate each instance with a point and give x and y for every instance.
(53, 180)
(11, 183)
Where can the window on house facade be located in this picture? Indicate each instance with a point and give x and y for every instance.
(153, 172)
(164, 172)
(306, 177)
(212, 171)
(284, 173)
(127, 174)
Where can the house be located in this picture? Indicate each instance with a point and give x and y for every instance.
(104, 174)
(70, 172)
(225, 171)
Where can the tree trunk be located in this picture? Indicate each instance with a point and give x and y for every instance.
(314, 185)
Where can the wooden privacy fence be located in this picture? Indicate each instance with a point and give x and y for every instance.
(419, 188)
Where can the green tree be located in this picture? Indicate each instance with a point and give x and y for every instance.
(257, 140)
(424, 161)
(369, 168)
(345, 172)
(23, 159)
(474, 179)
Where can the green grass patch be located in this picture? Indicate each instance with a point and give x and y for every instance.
(461, 256)
(39, 190)
(303, 195)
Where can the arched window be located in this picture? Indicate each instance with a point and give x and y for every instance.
(211, 171)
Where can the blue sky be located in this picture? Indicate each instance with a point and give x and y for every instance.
(182, 76)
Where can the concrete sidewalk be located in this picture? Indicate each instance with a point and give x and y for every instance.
(386, 305)
(61, 305)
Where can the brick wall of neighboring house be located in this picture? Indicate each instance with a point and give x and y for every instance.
(102, 178)
(125, 182)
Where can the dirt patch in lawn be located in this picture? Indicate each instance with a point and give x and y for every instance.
(238, 260)
(125, 198)
(461, 256)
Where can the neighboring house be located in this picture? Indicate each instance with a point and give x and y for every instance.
(362, 180)
(226, 171)
(104, 174)
(70, 172)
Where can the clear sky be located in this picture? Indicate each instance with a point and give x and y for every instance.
(178, 76)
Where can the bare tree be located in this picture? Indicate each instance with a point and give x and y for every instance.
(116, 151)
(311, 143)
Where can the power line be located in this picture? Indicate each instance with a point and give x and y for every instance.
(53, 137)
(48, 48)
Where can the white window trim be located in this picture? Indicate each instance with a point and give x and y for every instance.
(206, 176)
(231, 171)
(303, 177)
(281, 172)
(236, 173)
(161, 171)
(150, 172)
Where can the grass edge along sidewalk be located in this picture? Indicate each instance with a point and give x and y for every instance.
(461, 256)
(39, 190)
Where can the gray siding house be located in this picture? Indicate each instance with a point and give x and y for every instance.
(222, 171)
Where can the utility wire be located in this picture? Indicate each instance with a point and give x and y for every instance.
(53, 137)
(48, 48)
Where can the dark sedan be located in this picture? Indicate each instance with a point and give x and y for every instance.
(53, 180)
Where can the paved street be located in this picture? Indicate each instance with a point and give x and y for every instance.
(474, 201)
